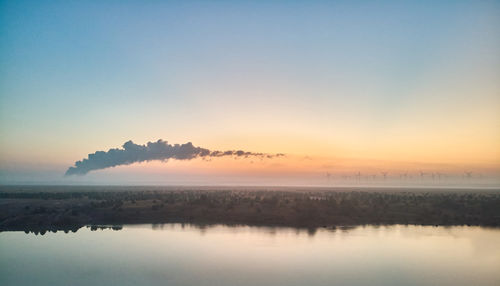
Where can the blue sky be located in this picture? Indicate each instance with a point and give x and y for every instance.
(326, 78)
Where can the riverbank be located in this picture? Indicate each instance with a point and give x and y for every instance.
(70, 210)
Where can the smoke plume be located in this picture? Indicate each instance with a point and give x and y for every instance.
(159, 150)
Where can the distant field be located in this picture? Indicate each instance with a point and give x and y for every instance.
(69, 207)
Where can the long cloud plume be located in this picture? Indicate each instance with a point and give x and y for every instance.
(159, 150)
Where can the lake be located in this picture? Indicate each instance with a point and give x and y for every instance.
(175, 254)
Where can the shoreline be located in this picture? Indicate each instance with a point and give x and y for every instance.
(302, 209)
(203, 226)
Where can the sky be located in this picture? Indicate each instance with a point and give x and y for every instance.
(339, 87)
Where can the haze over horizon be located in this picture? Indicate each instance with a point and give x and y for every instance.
(348, 91)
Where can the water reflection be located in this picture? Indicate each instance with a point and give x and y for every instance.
(189, 254)
(37, 231)
(73, 229)
(203, 228)
(103, 227)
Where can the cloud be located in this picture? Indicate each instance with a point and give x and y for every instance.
(159, 150)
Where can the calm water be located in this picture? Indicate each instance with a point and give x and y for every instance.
(221, 255)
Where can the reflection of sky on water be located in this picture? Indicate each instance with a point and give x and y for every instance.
(176, 254)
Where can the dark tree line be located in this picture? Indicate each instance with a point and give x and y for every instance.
(292, 208)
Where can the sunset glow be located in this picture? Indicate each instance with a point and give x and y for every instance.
(339, 88)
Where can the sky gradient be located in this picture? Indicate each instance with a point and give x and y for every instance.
(338, 86)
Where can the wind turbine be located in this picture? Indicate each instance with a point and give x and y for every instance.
(422, 174)
(358, 176)
(440, 175)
